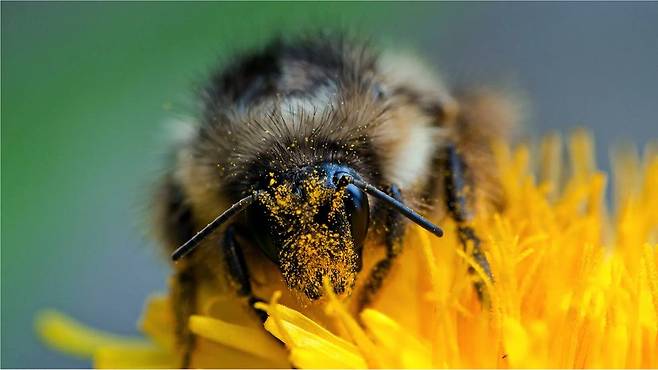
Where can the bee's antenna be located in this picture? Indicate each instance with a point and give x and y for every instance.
(409, 213)
(236, 208)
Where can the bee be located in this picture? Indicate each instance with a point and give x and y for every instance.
(309, 157)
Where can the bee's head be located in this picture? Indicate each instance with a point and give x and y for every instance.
(312, 222)
(312, 225)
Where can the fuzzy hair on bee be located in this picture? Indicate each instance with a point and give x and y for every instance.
(306, 161)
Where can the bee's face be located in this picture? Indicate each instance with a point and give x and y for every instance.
(311, 227)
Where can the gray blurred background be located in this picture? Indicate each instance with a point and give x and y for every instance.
(87, 88)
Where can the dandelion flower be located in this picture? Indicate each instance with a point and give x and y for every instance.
(575, 286)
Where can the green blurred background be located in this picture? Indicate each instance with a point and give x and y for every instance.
(87, 89)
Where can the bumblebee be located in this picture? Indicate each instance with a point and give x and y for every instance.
(307, 160)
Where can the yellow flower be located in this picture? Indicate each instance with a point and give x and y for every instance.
(574, 286)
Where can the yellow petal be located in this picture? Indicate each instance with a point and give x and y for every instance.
(209, 355)
(302, 322)
(516, 342)
(312, 358)
(309, 343)
(365, 346)
(134, 357)
(72, 337)
(392, 338)
(252, 341)
(158, 322)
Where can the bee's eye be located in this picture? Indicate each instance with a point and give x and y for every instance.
(261, 232)
(358, 213)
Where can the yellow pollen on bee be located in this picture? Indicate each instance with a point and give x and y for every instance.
(311, 249)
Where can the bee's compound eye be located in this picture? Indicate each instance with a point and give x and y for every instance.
(358, 213)
(261, 231)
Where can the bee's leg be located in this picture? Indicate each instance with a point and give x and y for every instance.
(393, 239)
(183, 294)
(457, 190)
(237, 268)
